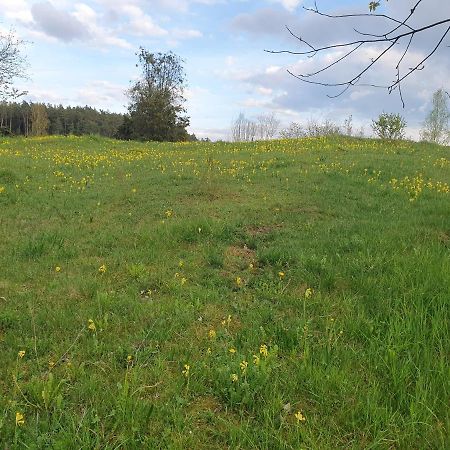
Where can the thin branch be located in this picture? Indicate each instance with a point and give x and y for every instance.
(355, 78)
(392, 37)
(333, 63)
(365, 41)
(342, 16)
(418, 66)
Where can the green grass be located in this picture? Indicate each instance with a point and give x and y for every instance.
(212, 247)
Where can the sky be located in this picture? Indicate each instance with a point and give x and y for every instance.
(84, 53)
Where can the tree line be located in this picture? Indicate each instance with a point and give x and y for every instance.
(38, 119)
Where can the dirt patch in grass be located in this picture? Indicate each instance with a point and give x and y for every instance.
(444, 238)
(237, 258)
(212, 193)
(205, 404)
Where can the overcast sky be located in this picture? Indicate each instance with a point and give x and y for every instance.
(83, 53)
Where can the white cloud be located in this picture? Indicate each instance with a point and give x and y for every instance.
(102, 94)
(16, 10)
(290, 5)
(140, 23)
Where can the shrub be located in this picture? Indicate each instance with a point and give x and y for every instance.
(389, 126)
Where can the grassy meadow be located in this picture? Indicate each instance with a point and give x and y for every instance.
(271, 295)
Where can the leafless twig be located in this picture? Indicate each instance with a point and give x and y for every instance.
(402, 33)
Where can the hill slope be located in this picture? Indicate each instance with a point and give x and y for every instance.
(288, 294)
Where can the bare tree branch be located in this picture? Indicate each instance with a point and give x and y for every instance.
(401, 32)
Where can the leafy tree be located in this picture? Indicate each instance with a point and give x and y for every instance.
(12, 65)
(389, 126)
(435, 128)
(156, 110)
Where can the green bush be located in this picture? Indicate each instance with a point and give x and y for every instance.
(389, 126)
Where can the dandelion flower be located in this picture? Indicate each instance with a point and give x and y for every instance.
(281, 275)
(309, 292)
(129, 359)
(57, 269)
(243, 365)
(21, 354)
(232, 350)
(300, 417)
(238, 281)
(183, 280)
(256, 360)
(169, 213)
(234, 377)
(20, 419)
(102, 269)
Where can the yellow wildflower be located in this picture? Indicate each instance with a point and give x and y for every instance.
(212, 334)
(281, 275)
(183, 280)
(256, 359)
(91, 325)
(169, 213)
(263, 350)
(129, 359)
(238, 281)
(2, 189)
(21, 354)
(180, 263)
(232, 350)
(243, 365)
(234, 377)
(208, 352)
(300, 417)
(309, 292)
(186, 369)
(57, 269)
(102, 269)
(20, 419)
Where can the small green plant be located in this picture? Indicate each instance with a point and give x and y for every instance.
(389, 126)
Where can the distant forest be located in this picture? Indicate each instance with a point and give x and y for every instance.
(38, 119)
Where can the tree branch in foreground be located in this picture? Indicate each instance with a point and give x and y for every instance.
(400, 33)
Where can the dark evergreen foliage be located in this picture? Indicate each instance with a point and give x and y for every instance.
(15, 119)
